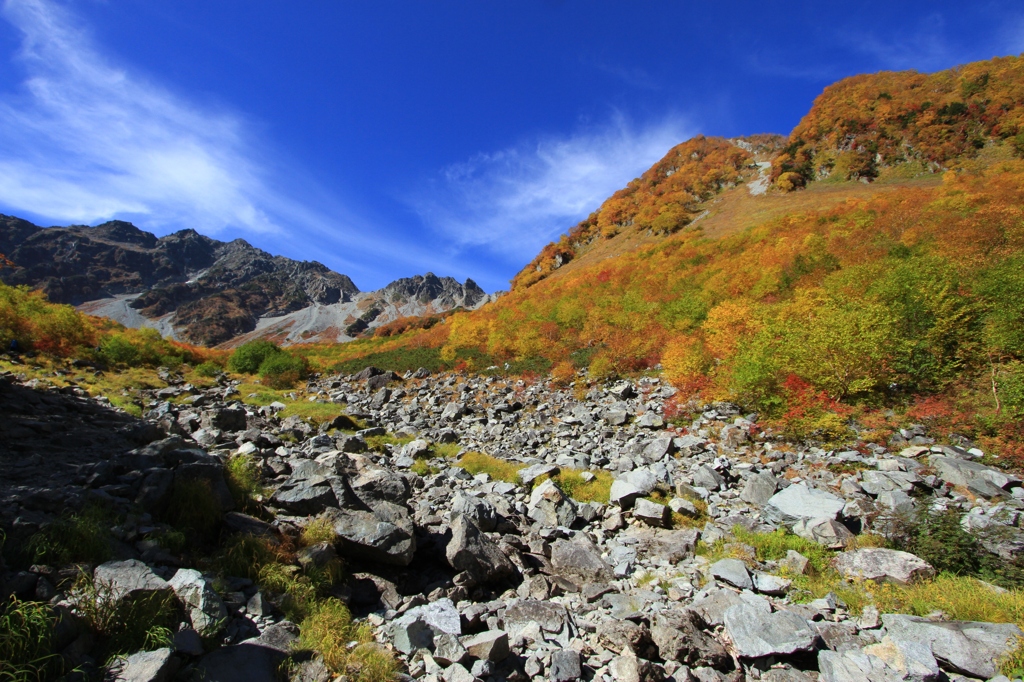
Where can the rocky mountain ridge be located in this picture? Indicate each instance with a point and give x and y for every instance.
(204, 291)
(466, 577)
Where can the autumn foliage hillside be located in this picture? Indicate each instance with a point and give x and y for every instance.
(905, 123)
(665, 199)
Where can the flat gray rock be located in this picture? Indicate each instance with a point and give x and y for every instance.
(883, 565)
(373, 536)
(245, 662)
(488, 646)
(733, 572)
(128, 579)
(146, 666)
(651, 513)
(963, 472)
(756, 634)
(966, 647)
(759, 488)
(801, 502)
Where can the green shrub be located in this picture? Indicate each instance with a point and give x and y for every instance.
(208, 370)
(248, 357)
(118, 349)
(282, 370)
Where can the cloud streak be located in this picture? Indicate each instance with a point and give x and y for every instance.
(513, 201)
(85, 140)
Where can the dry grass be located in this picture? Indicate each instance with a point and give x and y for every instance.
(347, 647)
(498, 469)
(597, 489)
(317, 531)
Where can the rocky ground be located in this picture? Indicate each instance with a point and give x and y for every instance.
(466, 577)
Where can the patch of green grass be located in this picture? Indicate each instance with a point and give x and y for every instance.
(74, 537)
(317, 531)
(243, 556)
(847, 467)
(244, 476)
(330, 631)
(959, 597)
(446, 450)
(26, 632)
(423, 467)
(598, 489)
(1012, 665)
(377, 443)
(498, 469)
(172, 540)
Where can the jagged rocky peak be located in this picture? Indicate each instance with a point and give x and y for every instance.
(430, 287)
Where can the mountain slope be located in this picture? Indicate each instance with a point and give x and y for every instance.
(207, 291)
(846, 292)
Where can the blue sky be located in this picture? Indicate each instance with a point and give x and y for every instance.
(389, 138)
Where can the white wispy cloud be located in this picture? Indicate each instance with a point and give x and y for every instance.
(84, 139)
(924, 47)
(515, 200)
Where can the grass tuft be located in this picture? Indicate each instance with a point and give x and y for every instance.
(347, 647)
(498, 469)
(244, 475)
(75, 537)
(26, 631)
(126, 625)
(597, 489)
(317, 531)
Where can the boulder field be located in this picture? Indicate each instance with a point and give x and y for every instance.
(469, 577)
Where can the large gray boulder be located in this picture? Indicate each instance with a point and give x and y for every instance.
(478, 510)
(824, 531)
(552, 618)
(128, 579)
(384, 535)
(549, 506)
(976, 477)
(909, 663)
(246, 662)
(802, 502)
(629, 487)
(966, 647)
(877, 482)
(471, 551)
(683, 636)
(488, 646)
(759, 488)
(733, 572)
(417, 627)
(205, 608)
(756, 634)
(883, 565)
(579, 560)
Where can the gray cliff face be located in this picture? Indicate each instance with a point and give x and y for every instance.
(206, 291)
